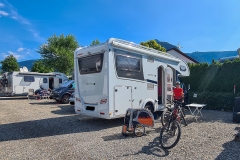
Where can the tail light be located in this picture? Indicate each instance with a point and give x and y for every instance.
(78, 99)
(103, 101)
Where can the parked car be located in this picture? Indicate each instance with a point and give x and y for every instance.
(63, 93)
(72, 98)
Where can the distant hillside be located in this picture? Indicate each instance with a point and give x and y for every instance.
(28, 64)
(208, 56)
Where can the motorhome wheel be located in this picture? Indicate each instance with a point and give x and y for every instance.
(149, 107)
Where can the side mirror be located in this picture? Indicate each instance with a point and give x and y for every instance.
(188, 86)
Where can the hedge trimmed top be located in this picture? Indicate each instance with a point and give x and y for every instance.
(217, 77)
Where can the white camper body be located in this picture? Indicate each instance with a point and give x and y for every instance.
(20, 82)
(114, 76)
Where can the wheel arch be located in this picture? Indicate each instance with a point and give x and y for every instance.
(149, 102)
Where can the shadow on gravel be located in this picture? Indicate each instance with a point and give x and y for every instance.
(130, 135)
(55, 126)
(65, 110)
(153, 148)
(13, 98)
(42, 102)
(231, 151)
(210, 116)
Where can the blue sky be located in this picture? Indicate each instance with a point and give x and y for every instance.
(206, 25)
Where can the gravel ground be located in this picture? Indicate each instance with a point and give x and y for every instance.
(31, 129)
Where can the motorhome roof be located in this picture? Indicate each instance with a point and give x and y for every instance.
(135, 47)
(36, 73)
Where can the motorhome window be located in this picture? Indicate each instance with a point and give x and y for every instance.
(90, 64)
(44, 80)
(28, 79)
(127, 63)
(60, 80)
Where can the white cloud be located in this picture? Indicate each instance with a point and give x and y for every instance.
(2, 5)
(19, 18)
(20, 49)
(28, 25)
(17, 56)
(3, 13)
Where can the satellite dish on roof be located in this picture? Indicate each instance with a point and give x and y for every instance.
(23, 69)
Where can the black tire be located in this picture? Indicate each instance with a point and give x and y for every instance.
(166, 134)
(150, 108)
(65, 99)
(165, 117)
(72, 103)
(139, 130)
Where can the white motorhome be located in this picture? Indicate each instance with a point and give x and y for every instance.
(114, 76)
(20, 82)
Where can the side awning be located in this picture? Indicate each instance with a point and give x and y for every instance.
(181, 67)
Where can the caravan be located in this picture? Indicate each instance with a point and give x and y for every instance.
(20, 82)
(114, 76)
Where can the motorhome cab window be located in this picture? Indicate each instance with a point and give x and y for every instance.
(90, 64)
(127, 63)
(28, 79)
(44, 80)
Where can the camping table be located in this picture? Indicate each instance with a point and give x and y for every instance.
(197, 109)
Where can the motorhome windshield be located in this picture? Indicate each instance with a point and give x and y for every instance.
(90, 64)
(66, 84)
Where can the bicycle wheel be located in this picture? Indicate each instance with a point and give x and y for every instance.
(169, 136)
(139, 130)
(165, 117)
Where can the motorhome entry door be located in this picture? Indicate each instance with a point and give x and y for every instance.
(56, 82)
(123, 99)
(169, 75)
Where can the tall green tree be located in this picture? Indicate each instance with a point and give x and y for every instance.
(95, 42)
(153, 44)
(58, 53)
(38, 66)
(10, 64)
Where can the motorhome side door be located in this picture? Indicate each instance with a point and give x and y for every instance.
(56, 82)
(122, 99)
(169, 82)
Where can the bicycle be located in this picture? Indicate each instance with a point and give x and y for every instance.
(171, 131)
(178, 106)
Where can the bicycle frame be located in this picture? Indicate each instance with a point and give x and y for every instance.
(174, 113)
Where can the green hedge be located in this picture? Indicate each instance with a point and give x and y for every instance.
(216, 77)
(214, 100)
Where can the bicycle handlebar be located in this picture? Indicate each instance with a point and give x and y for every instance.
(175, 102)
